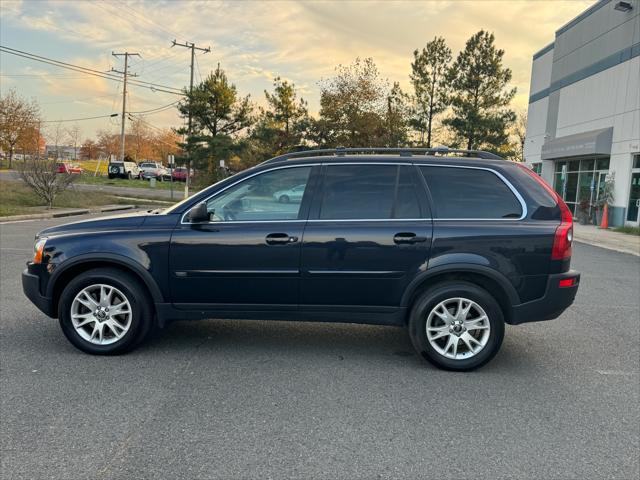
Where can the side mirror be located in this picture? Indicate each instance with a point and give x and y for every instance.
(199, 213)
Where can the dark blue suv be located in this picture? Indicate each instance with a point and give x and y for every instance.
(450, 244)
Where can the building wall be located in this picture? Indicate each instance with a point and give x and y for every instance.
(589, 79)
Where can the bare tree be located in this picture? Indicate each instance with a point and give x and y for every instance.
(17, 119)
(73, 134)
(56, 135)
(41, 175)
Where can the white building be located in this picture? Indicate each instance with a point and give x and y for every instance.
(584, 109)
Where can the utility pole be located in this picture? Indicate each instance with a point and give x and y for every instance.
(193, 48)
(125, 74)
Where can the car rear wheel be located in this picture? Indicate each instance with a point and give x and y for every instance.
(105, 311)
(456, 326)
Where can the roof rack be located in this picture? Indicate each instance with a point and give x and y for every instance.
(403, 152)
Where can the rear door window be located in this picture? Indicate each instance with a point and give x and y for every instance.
(368, 192)
(468, 193)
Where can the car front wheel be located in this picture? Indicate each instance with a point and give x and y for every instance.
(105, 311)
(456, 326)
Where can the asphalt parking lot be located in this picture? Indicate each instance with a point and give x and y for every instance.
(233, 399)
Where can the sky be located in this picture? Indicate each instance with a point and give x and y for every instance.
(254, 41)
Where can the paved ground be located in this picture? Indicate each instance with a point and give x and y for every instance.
(232, 399)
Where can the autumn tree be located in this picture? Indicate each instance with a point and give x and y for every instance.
(219, 115)
(165, 143)
(284, 123)
(18, 118)
(396, 117)
(480, 95)
(89, 150)
(353, 105)
(428, 78)
(139, 141)
(519, 134)
(108, 143)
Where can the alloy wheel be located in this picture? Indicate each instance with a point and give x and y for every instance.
(458, 328)
(101, 314)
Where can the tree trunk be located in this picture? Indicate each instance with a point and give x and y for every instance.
(10, 157)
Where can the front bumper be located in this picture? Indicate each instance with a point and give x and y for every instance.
(555, 300)
(31, 288)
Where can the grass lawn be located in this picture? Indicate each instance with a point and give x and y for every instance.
(17, 199)
(122, 182)
(629, 230)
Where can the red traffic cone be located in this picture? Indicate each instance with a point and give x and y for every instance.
(605, 217)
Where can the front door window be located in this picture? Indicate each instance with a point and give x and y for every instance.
(271, 196)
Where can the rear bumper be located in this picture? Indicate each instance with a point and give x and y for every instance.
(555, 300)
(31, 288)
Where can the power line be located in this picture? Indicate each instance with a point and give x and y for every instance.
(148, 20)
(88, 71)
(78, 119)
(157, 109)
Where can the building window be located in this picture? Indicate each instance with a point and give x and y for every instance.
(582, 184)
(537, 167)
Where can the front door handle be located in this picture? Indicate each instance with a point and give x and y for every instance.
(408, 237)
(280, 239)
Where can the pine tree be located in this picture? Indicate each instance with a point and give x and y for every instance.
(428, 77)
(480, 95)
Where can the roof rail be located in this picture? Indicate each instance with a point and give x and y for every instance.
(403, 152)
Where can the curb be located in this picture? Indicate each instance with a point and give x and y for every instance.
(66, 213)
(607, 247)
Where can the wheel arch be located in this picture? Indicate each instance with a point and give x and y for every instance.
(73, 267)
(493, 282)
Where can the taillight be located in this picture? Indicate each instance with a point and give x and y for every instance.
(564, 234)
(563, 237)
(567, 282)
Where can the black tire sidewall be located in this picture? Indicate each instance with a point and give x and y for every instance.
(130, 287)
(430, 298)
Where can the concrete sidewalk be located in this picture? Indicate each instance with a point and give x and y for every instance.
(620, 242)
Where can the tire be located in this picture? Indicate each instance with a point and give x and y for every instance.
(446, 296)
(111, 176)
(284, 199)
(129, 176)
(138, 318)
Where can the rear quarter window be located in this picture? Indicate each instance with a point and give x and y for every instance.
(469, 193)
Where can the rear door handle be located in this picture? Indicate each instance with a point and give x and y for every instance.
(280, 239)
(408, 237)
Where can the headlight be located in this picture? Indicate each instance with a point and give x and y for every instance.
(38, 250)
